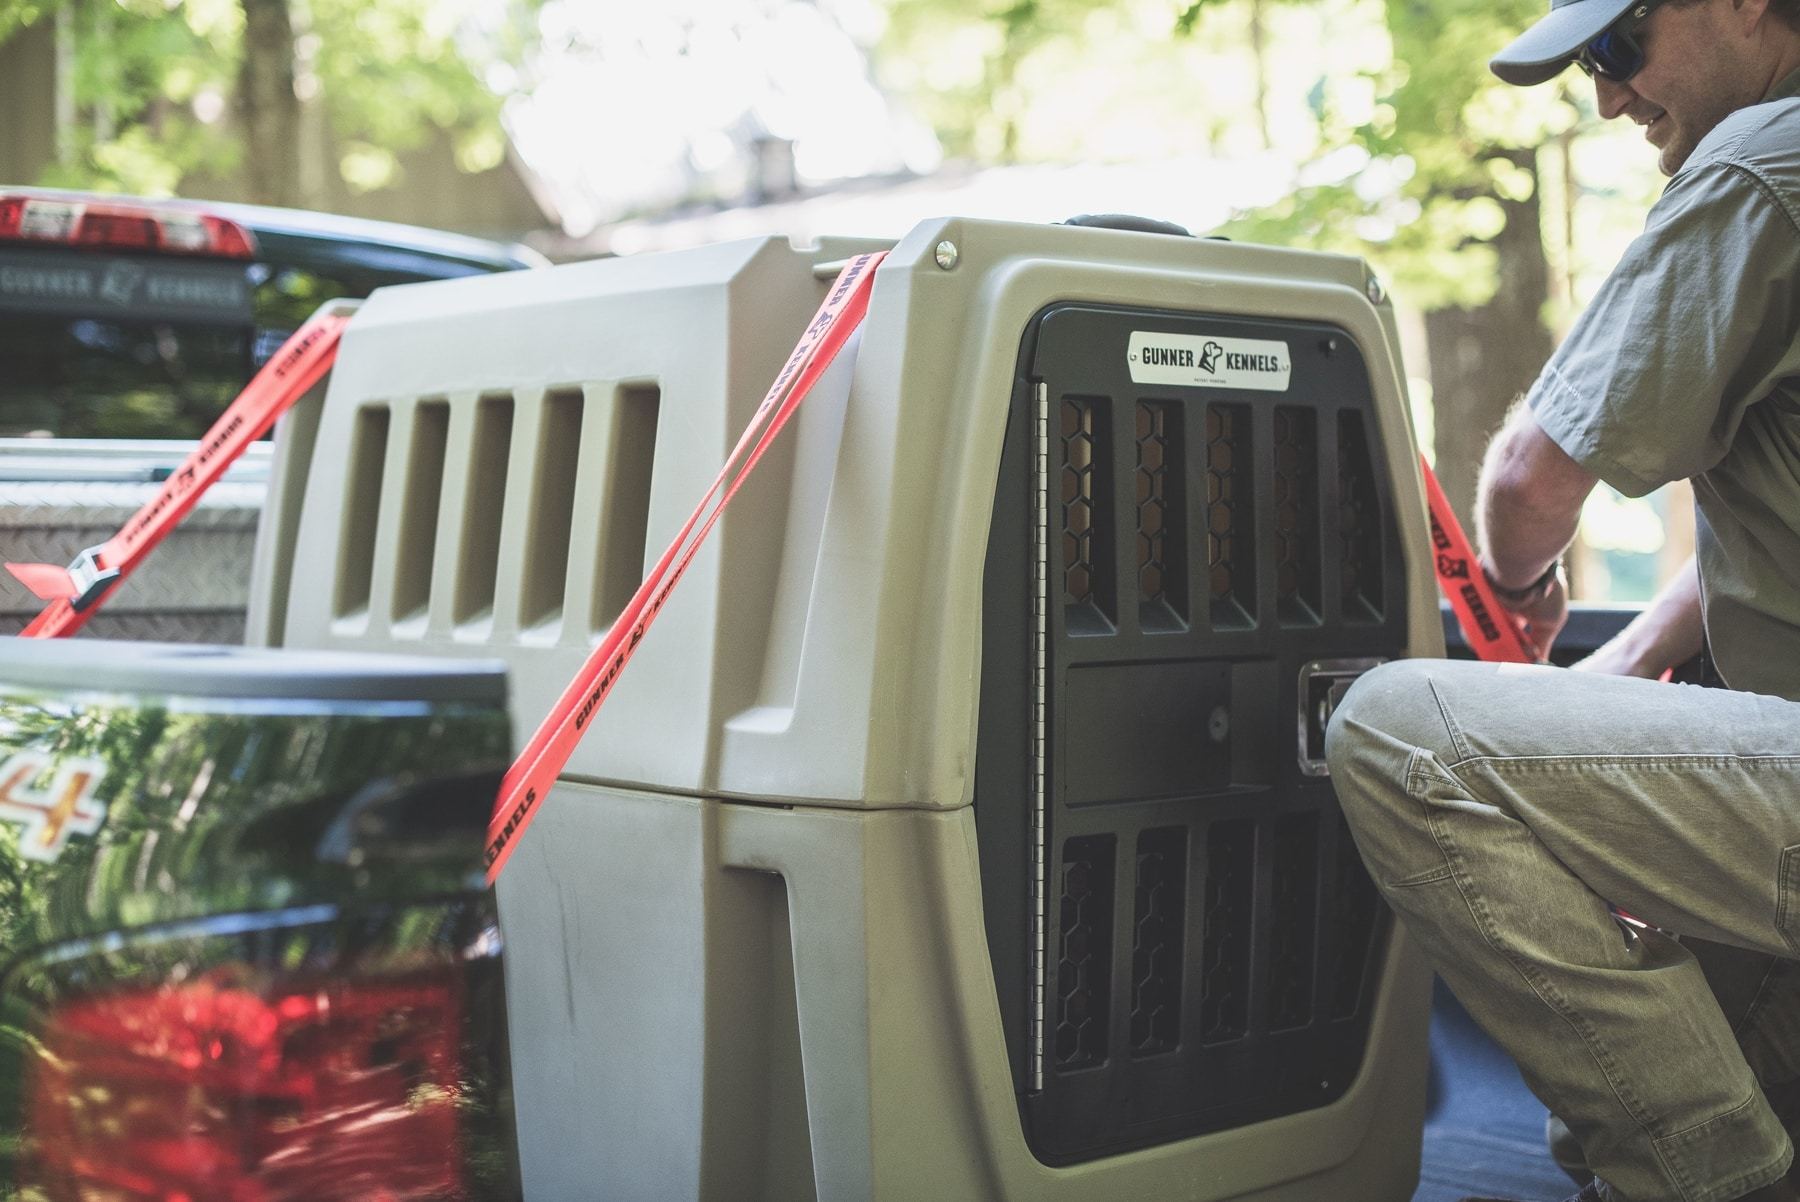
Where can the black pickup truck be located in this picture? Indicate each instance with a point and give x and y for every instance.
(126, 327)
(276, 976)
(130, 318)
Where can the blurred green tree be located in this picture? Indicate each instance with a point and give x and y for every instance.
(1449, 204)
(976, 70)
(163, 93)
(972, 92)
(1435, 171)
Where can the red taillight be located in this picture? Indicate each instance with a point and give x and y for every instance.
(119, 231)
(12, 216)
(228, 238)
(206, 1091)
(122, 227)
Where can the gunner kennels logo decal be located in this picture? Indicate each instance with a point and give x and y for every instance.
(1201, 361)
(62, 806)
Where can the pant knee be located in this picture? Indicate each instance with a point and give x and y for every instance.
(1385, 719)
(1390, 709)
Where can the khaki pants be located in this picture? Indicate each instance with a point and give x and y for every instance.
(1500, 807)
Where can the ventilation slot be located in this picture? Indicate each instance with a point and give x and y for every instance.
(362, 508)
(1161, 897)
(419, 511)
(1297, 516)
(1161, 518)
(1293, 927)
(1354, 909)
(1230, 516)
(1359, 523)
(484, 503)
(1083, 970)
(625, 507)
(1087, 516)
(1225, 947)
(552, 509)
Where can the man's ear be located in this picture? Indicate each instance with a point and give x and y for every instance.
(1748, 14)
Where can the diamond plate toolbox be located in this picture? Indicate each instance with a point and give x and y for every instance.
(192, 589)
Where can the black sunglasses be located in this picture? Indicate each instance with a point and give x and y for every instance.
(1617, 54)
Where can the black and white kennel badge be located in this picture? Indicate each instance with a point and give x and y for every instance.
(1201, 361)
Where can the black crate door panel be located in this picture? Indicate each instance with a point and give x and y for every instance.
(1183, 936)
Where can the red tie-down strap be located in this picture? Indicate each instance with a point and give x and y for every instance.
(1491, 630)
(76, 592)
(529, 780)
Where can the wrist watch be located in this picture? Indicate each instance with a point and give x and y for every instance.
(1537, 590)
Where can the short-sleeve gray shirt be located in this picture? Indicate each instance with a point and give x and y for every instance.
(1687, 364)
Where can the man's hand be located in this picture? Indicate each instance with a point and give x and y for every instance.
(1543, 616)
(1667, 633)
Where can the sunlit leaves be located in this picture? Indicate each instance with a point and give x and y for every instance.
(1133, 80)
(1510, 181)
(14, 14)
(480, 149)
(390, 75)
(144, 159)
(1434, 105)
(366, 167)
(219, 22)
(965, 60)
(1502, 115)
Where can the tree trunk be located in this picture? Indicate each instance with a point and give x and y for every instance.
(268, 110)
(64, 99)
(1259, 50)
(1483, 358)
(106, 126)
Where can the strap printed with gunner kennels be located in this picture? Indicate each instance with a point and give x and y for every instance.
(76, 592)
(1491, 630)
(528, 782)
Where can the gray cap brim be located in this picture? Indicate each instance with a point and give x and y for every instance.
(1542, 51)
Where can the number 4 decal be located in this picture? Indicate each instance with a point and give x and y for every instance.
(49, 816)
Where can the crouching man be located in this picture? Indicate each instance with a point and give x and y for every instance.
(1502, 808)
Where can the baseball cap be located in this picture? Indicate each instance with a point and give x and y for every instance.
(1547, 47)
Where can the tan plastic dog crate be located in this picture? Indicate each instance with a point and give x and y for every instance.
(961, 830)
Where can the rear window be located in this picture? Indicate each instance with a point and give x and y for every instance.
(94, 345)
(80, 377)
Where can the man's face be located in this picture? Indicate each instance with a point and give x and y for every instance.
(1696, 73)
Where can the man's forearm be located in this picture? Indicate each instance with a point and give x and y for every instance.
(1667, 633)
(1528, 501)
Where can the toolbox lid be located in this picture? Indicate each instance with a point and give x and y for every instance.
(94, 665)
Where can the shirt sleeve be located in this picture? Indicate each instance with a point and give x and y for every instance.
(1695, 324)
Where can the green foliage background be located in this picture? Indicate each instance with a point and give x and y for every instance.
(1397, 89)
(388, 73)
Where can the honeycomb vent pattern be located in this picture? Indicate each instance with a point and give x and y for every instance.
(1294, 928)
(1296, 516)
(1286, 473)
(1160, 900)
(1084, 952)
(1230, 516)
(1230, 878)
(1161, 517)
(1085, 490)
(1359, 524)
